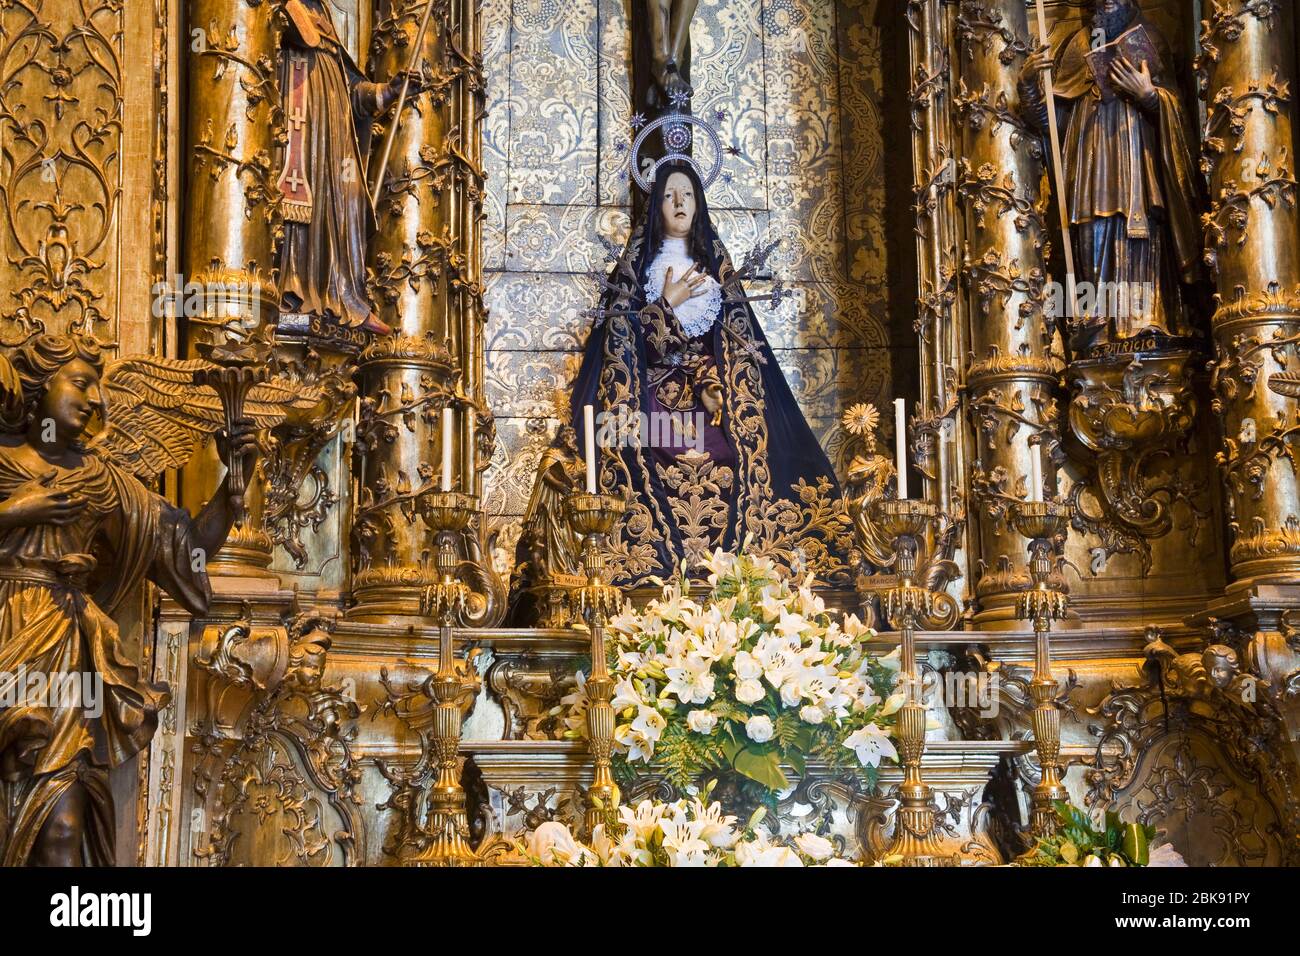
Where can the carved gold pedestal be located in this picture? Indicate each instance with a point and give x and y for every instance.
(915, 839)
(593, 517)
(1043, 523)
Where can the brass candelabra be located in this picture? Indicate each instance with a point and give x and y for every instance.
(448, 514)
(1043, 522)
(915, 840)
(593, 517)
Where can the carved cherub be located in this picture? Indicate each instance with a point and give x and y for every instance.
(1202, 678)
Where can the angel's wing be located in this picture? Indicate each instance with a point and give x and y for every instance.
(156, 415)
(11, 394)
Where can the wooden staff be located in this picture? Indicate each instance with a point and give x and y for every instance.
(401, 101)
(1058, 170)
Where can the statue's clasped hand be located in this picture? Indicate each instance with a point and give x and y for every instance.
(394, 88)
(1040, 61)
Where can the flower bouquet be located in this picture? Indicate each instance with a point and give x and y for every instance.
(757, 679)
(692, 832)
(1078, 843)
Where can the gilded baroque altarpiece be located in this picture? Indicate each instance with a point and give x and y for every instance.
(884, 145)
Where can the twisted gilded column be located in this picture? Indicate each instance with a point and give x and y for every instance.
(1247, 65)
(232, 218)
(941, 451)
(1011, 380)
(425, 259)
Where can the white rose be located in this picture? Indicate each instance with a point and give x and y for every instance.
(746, 667)
(749, 691)
(810, 844)
(759, 729)
(790, 694)
(702, 721)
(811, 714)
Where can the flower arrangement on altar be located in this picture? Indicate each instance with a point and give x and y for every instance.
(688, 832)
(1078, 843)
(758, 678)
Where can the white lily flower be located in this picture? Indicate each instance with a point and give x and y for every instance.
(771, 604)
(649, 722)
(871, 743)
(817, 847)
(855, 629)
(810, 604)
(552, 844)
(625, 695)
(720, 565)
(791, 625)
(692, 681)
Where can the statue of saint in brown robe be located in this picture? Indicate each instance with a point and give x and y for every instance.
(328, 107)
(1129, 175)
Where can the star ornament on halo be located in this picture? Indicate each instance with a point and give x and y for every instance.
(678, 136)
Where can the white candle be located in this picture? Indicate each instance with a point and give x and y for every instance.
(446, 448)
(1035, 472)
(473, 451)
(900, 444)
(589, 433)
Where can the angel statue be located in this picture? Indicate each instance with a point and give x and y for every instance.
(869, 480)
(79, 530)
(696, 425)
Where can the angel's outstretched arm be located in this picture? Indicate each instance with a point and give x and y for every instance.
(213, 522)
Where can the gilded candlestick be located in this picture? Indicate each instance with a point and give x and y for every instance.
(1043, 523)
(915, 840)
(593, 517)
(448, 514)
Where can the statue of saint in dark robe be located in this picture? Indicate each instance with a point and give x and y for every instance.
(696, 426)
(1130, 179)
(328, 108)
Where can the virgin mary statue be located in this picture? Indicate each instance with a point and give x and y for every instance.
(696, 426)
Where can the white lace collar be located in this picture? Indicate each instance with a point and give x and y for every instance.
(697, 314)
